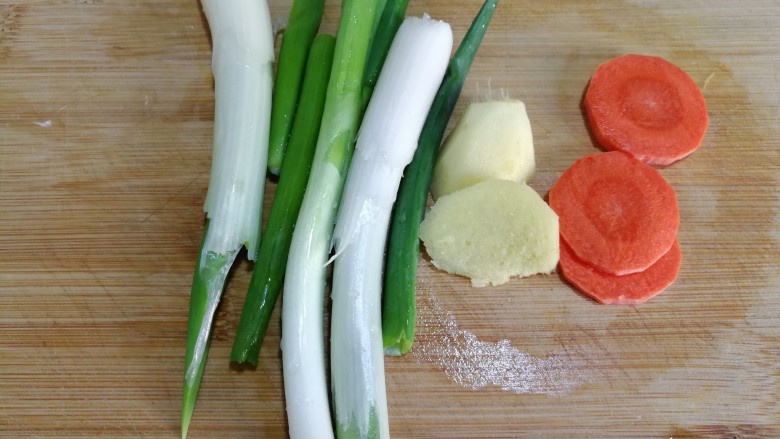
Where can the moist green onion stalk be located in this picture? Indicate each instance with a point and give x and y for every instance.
(268, 272)
(305, 17)
(399, 303)
(242, 64)
(303, 344)
(388, 137)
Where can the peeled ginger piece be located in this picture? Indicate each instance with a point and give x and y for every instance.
(492, 141)
(492, 231)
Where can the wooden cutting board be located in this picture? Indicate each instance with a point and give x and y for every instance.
(106, 114)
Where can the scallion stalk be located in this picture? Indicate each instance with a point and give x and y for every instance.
(399, 305)
(390, 21)
(242, 64)
(305, 17)
(303, 349)
(268, 272)
(388, 137)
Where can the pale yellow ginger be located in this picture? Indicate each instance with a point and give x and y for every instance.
(492, 141)
(492, 231)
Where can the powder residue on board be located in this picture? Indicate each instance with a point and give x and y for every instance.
(475, 363)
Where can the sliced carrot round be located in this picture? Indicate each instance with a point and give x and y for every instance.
(630, 289)
(617, 213)
(647, 107)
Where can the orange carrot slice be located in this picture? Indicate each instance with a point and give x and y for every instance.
(630, 289)
(617, 213)
(647, 107)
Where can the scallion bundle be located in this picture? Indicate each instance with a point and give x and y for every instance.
(303, 349)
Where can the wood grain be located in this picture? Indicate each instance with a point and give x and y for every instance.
(105, 139)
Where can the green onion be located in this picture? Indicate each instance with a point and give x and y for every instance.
(398, 309)
(379, 9)
(303, 350)
(242, 64)
(388, 137)
(391, 19)
(268, 272)
(305, 17)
